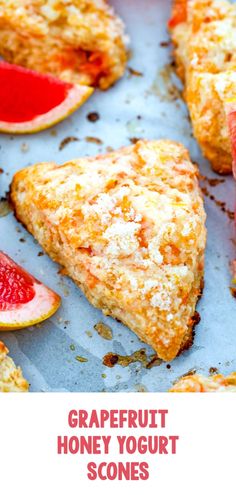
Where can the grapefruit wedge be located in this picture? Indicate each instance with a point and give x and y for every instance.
(31, 102)
(230, 108)
(24, 301)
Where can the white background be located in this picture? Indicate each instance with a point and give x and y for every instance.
(204, 463)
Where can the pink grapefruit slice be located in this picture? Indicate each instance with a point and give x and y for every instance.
(230, 108)
(24, 301)
(31, 102)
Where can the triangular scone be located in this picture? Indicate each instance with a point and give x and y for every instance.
(11, 378)
(204, 35)
(81, 41)
(129, 229)
(199, 383)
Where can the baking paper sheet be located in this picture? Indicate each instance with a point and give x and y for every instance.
(139, 106)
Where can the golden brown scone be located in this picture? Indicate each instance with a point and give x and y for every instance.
(203, 33)
(129, 229)
(11, 378)
(81, 41)
(199, 383)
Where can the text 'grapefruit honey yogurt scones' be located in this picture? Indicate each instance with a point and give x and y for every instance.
(129, 229)
(199, 383)
(81, 41)
(11, 379)
(203, 33)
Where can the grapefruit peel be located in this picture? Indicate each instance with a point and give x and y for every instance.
(24, 301)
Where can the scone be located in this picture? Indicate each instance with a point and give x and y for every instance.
(11, 378)
(128, 227)
(199, 383)
(203, 33)
(81, 41)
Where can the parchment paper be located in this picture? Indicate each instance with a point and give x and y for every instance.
(138, 106)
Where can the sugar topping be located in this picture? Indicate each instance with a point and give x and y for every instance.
(122, 238)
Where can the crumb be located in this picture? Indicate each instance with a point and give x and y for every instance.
(165, 44)
(40, 253)
(91, 139)
(212, 182)
(154, 361)
(213, 370)
(134, 72)
(111, 359)
(93, 116)
(221, 204)
(81, 359)
(191, 372)
(66, 141)
(103, 330)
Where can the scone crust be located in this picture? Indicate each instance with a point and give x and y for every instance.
(11, 378)
(128, 227)
(199, 383)
(205, 55)
(81, 41)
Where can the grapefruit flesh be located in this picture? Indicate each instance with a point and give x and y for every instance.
(30, 101)
(231, 115)
(24, 301)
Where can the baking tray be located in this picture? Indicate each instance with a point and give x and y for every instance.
(144, 104)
